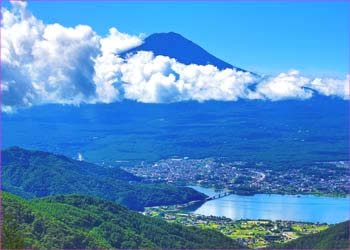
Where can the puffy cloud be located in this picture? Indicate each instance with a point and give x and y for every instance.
(108, 63)
(332, 87)
(19, 30)
(62, 68)
(284, 86)
(49, 63)
(117, 42)
(45, 63)
(162, 79)
(293, 86)
(145, 78)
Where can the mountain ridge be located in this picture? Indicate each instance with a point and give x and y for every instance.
(32, 174)
(176, 46)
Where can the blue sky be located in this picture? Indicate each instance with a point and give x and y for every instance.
(267, 37)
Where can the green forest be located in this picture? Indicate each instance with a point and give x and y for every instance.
(32, 174)
(79, 221)
(335, 237)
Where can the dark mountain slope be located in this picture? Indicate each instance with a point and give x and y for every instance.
(183, 50)
(135, 132)
(78, 221)
(37, 174)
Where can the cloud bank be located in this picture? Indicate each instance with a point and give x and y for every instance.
(49, 63)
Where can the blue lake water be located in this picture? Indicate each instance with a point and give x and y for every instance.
(307, 208)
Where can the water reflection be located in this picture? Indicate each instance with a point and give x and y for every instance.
(276, 207)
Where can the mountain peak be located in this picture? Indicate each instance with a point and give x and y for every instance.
(176, 46)
(165, 35)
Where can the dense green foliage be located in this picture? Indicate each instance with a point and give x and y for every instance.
(78, 221)
(31, 174)
(11, 234)
(335, 237)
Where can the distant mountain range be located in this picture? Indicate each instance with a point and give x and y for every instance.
(183, 50)
(286, 131)
(31, 174)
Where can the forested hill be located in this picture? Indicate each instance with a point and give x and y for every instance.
(31, 174)
(335, 237)
(26, 159)
(78, 221)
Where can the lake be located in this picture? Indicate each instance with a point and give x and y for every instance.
(306, 208)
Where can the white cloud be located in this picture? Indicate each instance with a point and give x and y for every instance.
(293, 86)
(331, 87)
(108, 63)
(50, 63)
(284, 86)
(46, 63)
(117, 42)
(162, 79)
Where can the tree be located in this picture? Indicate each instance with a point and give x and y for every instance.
(11, 235)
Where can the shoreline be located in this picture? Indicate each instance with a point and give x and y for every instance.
(316, 194)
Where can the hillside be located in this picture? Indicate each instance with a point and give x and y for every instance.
(31, 174)
(335, 237)
(78, 221)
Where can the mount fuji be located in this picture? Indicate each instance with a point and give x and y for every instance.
(183, 50)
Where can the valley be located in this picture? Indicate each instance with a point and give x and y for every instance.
(248, 178)
(250, 233)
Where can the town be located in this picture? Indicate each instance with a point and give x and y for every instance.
(250, 233)
(248, 178)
